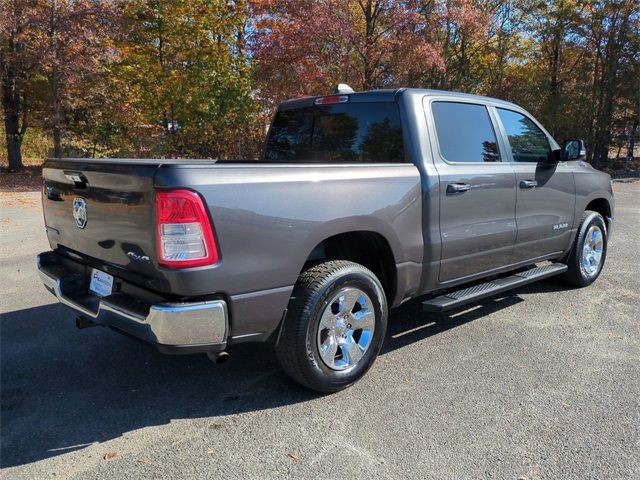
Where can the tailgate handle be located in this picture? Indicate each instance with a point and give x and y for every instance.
(77, 178)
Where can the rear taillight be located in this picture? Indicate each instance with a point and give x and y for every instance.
(184, 233)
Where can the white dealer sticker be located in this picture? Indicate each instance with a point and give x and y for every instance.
(101, 283)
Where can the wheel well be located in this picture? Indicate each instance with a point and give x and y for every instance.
(601, 206)
(369, 249)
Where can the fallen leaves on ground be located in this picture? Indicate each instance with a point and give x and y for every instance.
(14, 199)
(109, 455)
(294, 456)
(29, 180)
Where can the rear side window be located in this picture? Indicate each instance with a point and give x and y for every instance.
(340, 133)
(528, 143)
(465, 132)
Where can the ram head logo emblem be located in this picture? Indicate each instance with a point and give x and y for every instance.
(80, 212)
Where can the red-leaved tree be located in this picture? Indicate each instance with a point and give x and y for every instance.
(52, 53)
(307, 46)
(74, 43)
(18, 63)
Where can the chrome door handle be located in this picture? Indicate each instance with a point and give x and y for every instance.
(528, 184)
(457, 188)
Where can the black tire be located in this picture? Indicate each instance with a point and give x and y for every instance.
(297, 348)
(577, 275)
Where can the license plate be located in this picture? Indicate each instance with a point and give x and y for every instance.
(101, 283)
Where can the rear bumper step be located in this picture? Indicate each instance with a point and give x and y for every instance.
(172, 327)
(479, 291)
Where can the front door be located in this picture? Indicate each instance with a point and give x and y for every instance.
(545, 200)
(477, 191)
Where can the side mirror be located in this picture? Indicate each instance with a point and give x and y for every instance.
(574, 149)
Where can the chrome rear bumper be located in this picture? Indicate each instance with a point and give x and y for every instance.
(172, 327)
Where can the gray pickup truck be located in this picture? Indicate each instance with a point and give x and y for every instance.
(360, 202)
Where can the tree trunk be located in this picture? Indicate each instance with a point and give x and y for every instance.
(14, 131)
(54, 84)
(368, 72)
(554, 83)
(57, 142)
(14, 143)
(13, 105)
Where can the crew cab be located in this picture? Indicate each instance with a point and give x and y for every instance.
(360, 202)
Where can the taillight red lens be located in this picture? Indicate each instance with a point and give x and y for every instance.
(184, 233)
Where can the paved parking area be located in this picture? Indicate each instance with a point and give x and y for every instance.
(541, 383)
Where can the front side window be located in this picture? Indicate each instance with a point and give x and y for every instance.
(341, 133)
(465, 133)
(528, 143)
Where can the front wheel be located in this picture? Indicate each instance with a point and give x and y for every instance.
(586, 259)
(335, 326)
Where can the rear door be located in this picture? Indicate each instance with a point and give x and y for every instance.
(545, 199)
(477, 189)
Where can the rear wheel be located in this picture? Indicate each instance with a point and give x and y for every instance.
(335, 326)
(589, 251)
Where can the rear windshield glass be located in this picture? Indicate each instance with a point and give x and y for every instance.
(341, 133)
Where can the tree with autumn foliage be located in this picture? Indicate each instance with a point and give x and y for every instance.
(183, 73)
(579, 72)
(53, 51)
(307, 46)
(76, 45)
(18, 63)
(201, 78)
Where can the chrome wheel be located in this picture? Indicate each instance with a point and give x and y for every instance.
(346, 329)
(592, 250)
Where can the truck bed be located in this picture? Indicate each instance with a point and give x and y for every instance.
(267, 219)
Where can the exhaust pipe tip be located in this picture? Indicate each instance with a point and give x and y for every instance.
(218, 357)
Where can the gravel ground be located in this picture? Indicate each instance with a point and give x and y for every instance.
(541, 383)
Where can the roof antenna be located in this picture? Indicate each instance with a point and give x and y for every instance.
(343, 88)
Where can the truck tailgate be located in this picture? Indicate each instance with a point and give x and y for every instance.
(103, 210)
